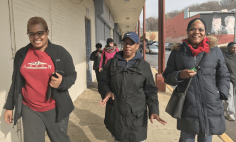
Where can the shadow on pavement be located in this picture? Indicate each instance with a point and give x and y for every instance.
(93, 122)
(76, 133)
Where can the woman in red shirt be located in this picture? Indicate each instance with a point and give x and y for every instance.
(42, 99)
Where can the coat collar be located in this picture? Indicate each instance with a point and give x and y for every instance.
(213, 42)
(25, 49)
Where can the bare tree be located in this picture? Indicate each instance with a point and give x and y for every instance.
(211, 5)
(225, 4)
(152, 24)
(173, 14)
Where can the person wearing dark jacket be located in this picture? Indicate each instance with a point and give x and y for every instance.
(40, 98)
(96, 57)
(127, 87)
(203, 112)
(230, 60)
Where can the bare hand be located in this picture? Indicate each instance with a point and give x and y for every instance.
(100, 69)
(104, 101)
(8, 116)
(187, 73)
(155, 116)
(96, 54)
(55, 82)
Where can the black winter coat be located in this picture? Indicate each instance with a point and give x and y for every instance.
(230, 60)
(203, 111)
(96, 59)
(134, 89)
(63, 62)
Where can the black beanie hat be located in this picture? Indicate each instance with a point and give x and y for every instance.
(231, 44)
(192, 21)
(109, 40)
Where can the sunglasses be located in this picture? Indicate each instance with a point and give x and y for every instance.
(130, 44)
(39, 34)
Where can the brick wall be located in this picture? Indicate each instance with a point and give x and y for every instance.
(176, 28)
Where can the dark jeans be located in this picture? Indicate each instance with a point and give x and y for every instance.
(185, 137)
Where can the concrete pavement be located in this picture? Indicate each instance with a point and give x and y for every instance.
(86, 121)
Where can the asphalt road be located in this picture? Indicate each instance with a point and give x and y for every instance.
(230, 125)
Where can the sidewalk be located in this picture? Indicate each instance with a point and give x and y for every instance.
(86, 121)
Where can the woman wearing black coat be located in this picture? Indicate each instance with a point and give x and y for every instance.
(41, 99)
(203, 112)
(127, 88)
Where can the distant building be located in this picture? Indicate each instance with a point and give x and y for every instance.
(219, 24)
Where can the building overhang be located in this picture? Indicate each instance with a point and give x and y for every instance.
(126, 13)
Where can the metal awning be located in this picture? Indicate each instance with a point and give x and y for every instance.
(126, 13)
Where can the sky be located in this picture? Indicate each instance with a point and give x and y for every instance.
(152, 6)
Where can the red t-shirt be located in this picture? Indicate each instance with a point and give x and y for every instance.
(37, 69)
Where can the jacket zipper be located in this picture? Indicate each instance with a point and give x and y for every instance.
(200, 99)
(52, 59)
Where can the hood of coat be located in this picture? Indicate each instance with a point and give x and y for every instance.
(229, 54)
(127, 64)
(213, 42)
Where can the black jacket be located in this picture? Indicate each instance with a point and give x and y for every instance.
(230, 60)
(96, 59)
(63, 62)
(134, 90)
(203, 112)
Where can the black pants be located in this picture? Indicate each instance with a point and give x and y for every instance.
(36, 123)
(97, 74)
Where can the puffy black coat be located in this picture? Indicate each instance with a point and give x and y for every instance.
(230, 60)
(134, 89)
(203, 111)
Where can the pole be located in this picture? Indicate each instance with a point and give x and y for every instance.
(161, 37)
(235, 26)
(144, 32)
(161, 47)
(139, 29)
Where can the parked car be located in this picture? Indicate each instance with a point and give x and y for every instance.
(166, 45)
(169, 46)
(150, 42)
(152, 49)
(155, 43)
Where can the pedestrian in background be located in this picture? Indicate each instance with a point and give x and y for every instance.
(32, 78)
(203, 112)
(107, 53)
(96, 57)
(127, 87)
(230, 59)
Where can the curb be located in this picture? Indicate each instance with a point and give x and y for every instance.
(224, 136)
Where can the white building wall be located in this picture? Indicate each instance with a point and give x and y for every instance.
(7, 133)
(66, 21)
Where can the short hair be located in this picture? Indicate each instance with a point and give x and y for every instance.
(98, 45)
(227, 19)
(37, 20)
(115, 44)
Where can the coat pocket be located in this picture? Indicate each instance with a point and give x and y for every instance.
(64, 105)
(137, 118)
